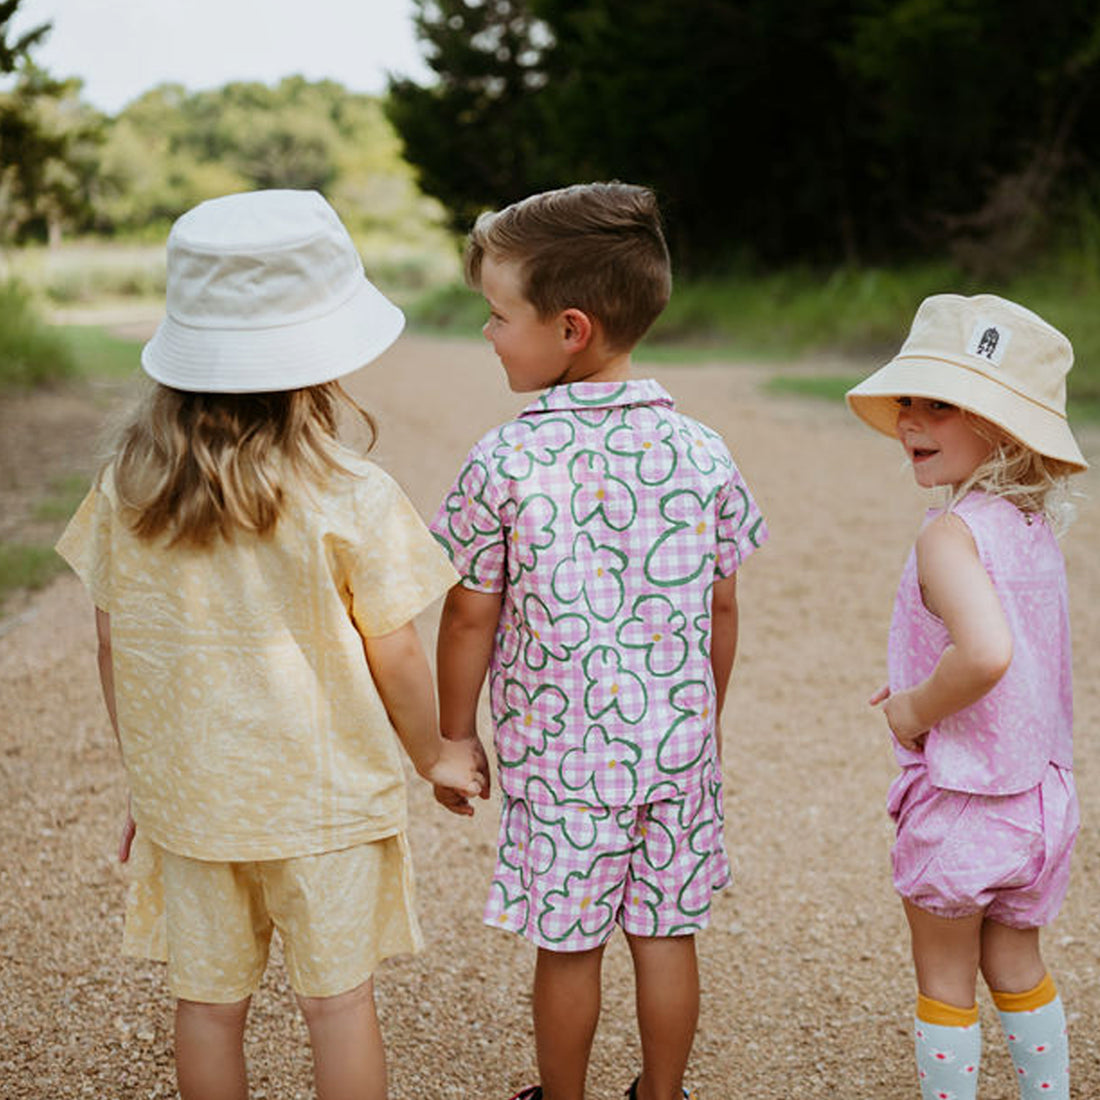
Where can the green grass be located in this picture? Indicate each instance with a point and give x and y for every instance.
(63, 497)
(31, 353)
(98, 353)
(26, 567)
(829, 387)
(88, 352)
(859, 314)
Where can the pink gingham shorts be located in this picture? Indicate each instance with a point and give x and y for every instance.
(1008, 856)
(568, 872)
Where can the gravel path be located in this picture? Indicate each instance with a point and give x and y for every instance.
(807, 988)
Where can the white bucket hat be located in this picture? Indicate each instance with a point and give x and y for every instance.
(985, 354)
(266, 291)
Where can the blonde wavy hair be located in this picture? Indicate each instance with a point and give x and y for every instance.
(1035, 484)
(196, 467)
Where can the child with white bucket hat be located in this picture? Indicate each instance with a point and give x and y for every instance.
(243, 562)
(979, 698)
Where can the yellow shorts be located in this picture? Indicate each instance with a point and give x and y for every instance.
(339, 914)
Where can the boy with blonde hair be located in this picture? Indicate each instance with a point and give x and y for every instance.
(597, 537)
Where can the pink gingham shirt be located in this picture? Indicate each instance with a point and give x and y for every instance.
(603, 516)
(1002, 743)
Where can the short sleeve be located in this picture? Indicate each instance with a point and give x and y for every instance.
(394, 569)
(86, 545)
(741, 527)
(468, 525)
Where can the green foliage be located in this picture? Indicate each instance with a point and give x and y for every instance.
(822, 131)
(48, 144)
(453, 309)
(30, 352)
(800, 309)
(12, 54)
(170, 149)
(476, 135)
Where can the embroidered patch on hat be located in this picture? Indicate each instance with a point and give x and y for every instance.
(989, 340)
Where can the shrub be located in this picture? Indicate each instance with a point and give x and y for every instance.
(31, 353)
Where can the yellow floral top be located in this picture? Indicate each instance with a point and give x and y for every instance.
(250, 725)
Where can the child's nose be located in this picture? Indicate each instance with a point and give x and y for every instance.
(907, 414)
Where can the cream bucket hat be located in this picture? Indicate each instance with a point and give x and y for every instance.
(987, 355)
(266, 291)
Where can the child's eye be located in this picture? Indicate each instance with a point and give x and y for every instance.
(904, 402)
(942, 406)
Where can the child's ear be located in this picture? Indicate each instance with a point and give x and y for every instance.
(577, 329)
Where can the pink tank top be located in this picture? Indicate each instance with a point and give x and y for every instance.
(1002, 743)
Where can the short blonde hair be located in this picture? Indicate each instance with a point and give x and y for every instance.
(195, 467)
(596, 247)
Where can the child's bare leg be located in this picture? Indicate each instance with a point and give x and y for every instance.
(566, 1010)
(1011, 962)
(946, 955)
(947, 1033)
(666, 974)
(210, 1050)
(1031, 1011)
(349, 1060)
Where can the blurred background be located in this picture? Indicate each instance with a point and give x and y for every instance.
(822, 164)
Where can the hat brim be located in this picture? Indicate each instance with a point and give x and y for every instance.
(275, 358)
(874, 401)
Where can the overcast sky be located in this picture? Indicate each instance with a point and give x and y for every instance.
(122, 48)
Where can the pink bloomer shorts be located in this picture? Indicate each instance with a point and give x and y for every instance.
(567, 873)
(1008, 856)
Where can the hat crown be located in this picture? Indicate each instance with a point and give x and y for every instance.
(266, 291)
(259, 259)
(1004, 341)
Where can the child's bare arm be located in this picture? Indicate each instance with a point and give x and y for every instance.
(404, 681)
(955, 587)
(466, 631)
(723, 643)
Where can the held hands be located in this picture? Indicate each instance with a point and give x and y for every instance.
(460, 773)
(901, 716)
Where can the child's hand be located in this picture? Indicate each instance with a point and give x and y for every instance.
(460, 773)
(125, 842)
(901, 717)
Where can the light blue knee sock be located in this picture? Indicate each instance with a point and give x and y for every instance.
(949, 1050)
(1035, 1027)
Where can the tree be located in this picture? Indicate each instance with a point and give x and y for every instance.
(12, 54)
(476, 137)
(48, 143)
(785, 130)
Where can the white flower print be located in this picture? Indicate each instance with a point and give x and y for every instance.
(594, 572)
(596, 492)
(612, 687)
(524, 444)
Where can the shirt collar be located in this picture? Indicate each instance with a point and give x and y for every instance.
(600, 395)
